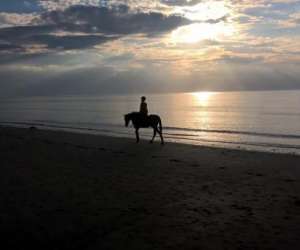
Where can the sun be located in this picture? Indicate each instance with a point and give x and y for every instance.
(210, 10)
(196, 32)
(209, 23)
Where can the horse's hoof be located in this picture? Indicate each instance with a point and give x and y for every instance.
(150, 142)
(162, 143)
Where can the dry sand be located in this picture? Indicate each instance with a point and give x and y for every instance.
(62, 190)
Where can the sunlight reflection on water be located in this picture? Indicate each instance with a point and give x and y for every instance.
(253, 120)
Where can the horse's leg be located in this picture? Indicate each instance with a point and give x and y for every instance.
(161, 136)
(154, 134)
(137, 135)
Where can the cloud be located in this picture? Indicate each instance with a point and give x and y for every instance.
(181, 2)
(52, 5)
(69, 42)
(15, 19)
(19, 33)
(8, 46)
(47, 80)
(235, 59)
(292, 21)
(96, 25)
(17, 6)
(116, 20)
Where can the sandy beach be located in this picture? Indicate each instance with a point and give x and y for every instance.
(61, 190)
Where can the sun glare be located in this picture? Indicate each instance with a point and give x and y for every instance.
(209, 22)
(211, 10)
(202, 98)
(196, 32)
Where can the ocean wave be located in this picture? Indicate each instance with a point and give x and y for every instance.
(114, 129)
(245, 143)
(172, 131)
(222, 131)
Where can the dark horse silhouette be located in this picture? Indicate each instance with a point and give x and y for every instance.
(140, 121)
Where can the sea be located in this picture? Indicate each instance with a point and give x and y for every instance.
(266, 121)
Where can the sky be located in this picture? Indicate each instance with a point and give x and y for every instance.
(91, 47)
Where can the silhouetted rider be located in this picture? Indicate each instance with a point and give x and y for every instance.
(144, 111)
(143, 106)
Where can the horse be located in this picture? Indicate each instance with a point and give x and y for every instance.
(141, 121)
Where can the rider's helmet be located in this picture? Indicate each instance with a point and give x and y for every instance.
(143, 98)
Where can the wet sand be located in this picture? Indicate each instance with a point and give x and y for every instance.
(62, 190)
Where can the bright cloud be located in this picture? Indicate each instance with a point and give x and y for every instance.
(202, 31)
(210, 10)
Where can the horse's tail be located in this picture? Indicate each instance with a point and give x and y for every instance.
(160, 124)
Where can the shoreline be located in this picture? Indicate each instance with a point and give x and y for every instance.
(226, 145)
(78, 191)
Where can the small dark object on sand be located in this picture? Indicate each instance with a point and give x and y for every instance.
(297, 203)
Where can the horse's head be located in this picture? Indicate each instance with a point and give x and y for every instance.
(127, 120)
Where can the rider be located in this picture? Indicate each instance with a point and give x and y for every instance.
(143, 107)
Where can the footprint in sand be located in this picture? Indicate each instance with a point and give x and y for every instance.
(131, 155)
(154, 156)
(175, 160)
(259, 175)
(48, 142)
(289, 180)
(297, 202)
(119, 152)
(240, 207)
(206, 211)
(81, 147)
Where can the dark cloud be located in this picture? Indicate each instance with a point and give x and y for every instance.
(8, 46)
(69, 42)
(91, 21)
(25, 58)
(19, 33)
(23, 36)
(116, 20)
